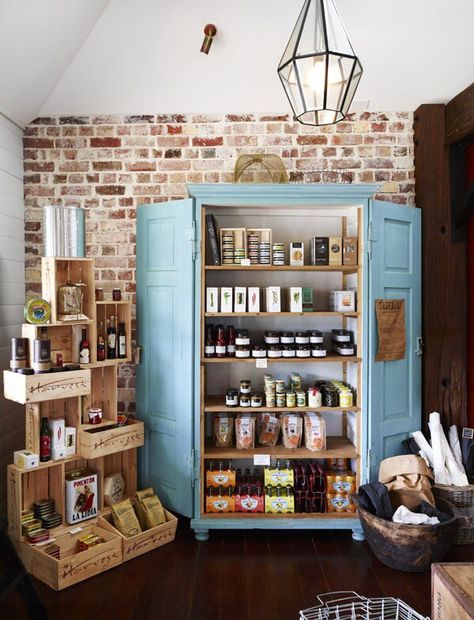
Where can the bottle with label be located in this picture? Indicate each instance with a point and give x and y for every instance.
(210, 343)
(221, 341)
(231, 341)
(45, 441)
(122, 341)
(84, 348)
(101, 343)
(111, 340)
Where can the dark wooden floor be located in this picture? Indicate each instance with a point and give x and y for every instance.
(247, 575)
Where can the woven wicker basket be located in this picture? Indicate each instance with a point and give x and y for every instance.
(463, 499)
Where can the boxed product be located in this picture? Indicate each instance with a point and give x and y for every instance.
(279, 501)
(220, 501)
(57, 427)
(220, 478)
(25, 459)
(114, 486)
(297, 253)
(340, 483)
(240, 299)
(335, 251)
(307, 293)
(273, 299)
(212, 299)
(342, 301)
(278, 477)
(253, 296)
(81, 495)
(58, 453)
(349, 251)
(226, 299)
(295, 299)
(249, 500)
(70, 440)
(340, 502)
(320, 251)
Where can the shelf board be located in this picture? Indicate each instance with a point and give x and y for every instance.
(62, 323)
(111, 302)
(107, 363)
(337, 447)
(350, 315)
(216, 404)
(73, 457)
(285, 360)
(270, 516)
(103, 424)
(323, 268)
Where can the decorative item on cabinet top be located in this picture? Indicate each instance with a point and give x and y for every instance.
(274, 170)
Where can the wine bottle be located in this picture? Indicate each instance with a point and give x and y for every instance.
(112, 340)
(122, 341)
(84, 348)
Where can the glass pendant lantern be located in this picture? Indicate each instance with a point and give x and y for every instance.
(319, 69)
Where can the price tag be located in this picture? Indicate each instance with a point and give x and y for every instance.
(43, 542)
(261, 459)
(245, 262)
(75, 530)
(262, 362)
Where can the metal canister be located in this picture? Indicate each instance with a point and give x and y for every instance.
(63, 231)
(41, 355)
(18, 353)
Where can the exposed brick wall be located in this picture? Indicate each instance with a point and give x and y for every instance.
(111, 164)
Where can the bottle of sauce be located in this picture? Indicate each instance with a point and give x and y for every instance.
(210, 343)
(111, 340)
(45, 441)
(221, 341)
(84, 348)
(101, 343)
(231, 341)
(122, 341)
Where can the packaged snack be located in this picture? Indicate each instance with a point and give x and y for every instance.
(314, 432)
(152, 511)
(140, 496)
(125, 519)
(223, 430)
(292, 430)
(244, 432)
(269, 431)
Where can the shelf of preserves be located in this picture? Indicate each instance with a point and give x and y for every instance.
(216, 404)
(284, 360)
(322, 268)
(337, 447)
(344, 315)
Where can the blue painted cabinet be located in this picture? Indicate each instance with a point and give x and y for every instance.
(179, 391)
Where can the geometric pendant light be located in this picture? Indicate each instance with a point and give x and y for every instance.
(319, 69)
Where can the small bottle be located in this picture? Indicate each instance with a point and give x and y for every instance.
(122, 341)
(231, 341)
(111, 340)
(45, 441)
(210, 343)
(221, 341)
(84, 348)
(101, 343)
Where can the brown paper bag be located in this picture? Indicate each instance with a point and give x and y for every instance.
(391, 329)
(407, 479)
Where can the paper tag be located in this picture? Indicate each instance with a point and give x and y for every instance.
(75, 530)
(43, 542)
(261, 362)
(261, 459)
(245, 262)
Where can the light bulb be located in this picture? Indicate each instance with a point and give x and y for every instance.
(316, 75)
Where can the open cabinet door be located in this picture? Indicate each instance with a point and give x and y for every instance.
(165, 333)
(394, 273)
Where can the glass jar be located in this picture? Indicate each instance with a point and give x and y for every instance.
(290, 400)
(269, 399)
(280, 386)
(288, 350)
(295, 381)
(245, 386)
(256, 400)
(274, 350)
(314, 397)
(316, 337)
(300, 398)
(281, 400)
(346, 398)
(330, 397)
(344, 348)
(232, 397)
(302, 338)
(242, 337)
(259, 350)
(341, 335)
(303, 350)
(318, 350)
(242, 351)
(272, 337)
(287, 337)
(245, 400)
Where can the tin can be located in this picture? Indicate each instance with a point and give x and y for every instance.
(41, 355)
(18, 353)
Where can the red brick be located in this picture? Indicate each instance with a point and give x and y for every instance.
(32, 178)
(239, 118)
(46, 166)
(70, 143)
(173, 129)
(171, 118)
(38, 143)
(275, 118)
(110, 190)
(105, 142)
(217, 141)
(107, 165)
(312, 140)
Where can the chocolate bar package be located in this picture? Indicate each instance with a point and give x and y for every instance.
(81, 495)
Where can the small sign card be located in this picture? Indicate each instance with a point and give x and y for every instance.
(261, 459)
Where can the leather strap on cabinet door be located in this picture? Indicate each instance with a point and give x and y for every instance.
(391, 329)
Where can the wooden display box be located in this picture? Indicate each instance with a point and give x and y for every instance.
(103, 394)
(56, 272)
(121, 310)
(97, 441)
(145, 541)
(67, 408)
(240, 239)
(73, 567)
(35, 388)
(65, 339)
(452, 590)
(126, 463)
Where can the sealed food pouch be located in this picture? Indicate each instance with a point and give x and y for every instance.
(292, 430)
(140, 496)
(314, 432)
(269, 431)
(223, 430)
(244, 432)
(125, 519)
(153, 512)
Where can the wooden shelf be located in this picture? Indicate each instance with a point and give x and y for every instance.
(350, 315)
(337, 447)
(216, 404)
(269, 516)
(111, 302)
(22, 470)
(322, 268)
(284, 360)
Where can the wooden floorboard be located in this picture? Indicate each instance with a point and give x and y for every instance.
(246, 575)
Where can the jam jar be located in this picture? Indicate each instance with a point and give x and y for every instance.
(232, 397)
(316, 337)
(280, 386)
(341, 335)
(345, 398)
(318, 350)
(280, 400)
(302, 338)
(272, 337)
(269, 399)
(259, 350)
(242, 351)
(245, 400)
(300, 398)
(256, 400)
(330, 397)
(303, 350)
(314, 397)
(242, 337)
(288, 350)
(287, 337)
(290, 400)
(344, 348)
(245, 386)
(274, 350)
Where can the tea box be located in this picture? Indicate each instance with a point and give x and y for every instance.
(212, 299)
(253, 298)
(335, 251)
(349, 251)
(273, 299)
(81, 495)
(295, 299)
(25, 459)
(342, 301)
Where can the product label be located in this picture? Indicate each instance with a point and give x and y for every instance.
(220, 349)
(84, 356)
(111, 341)
(45, 445)
(122, 346)
(209, 350)
(249, 503)
(342, 487)
(231, 348)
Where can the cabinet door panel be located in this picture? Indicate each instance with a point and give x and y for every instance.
(165, 318)
(394, 273)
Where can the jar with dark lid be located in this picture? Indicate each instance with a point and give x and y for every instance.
(330, 398)
(274, 350)
(245, 386)
(290, 400)
(287, 337)
(272, 337)
(245, 400)
(116, 294)
(242, 337)
(242, 351)
(280, 399)
(303, 350)
(316, 337)
(288, 350)
(302, 338)
(256, 400)
(259, 350)
(318, 350)
(344, 348)
(341, 335)
(232, 397)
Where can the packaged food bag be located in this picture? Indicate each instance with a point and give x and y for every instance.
(223, 430)
(125, 519)
(314, 432)
(408, 480)
(269, 430)
(139, 497)
(152, 511)
(292, 430)
(245, 432)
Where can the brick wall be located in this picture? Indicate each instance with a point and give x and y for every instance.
(111, 164)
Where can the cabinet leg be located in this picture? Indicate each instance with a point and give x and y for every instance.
(358, 535)
(201, 535)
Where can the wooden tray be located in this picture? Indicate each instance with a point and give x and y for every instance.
(35, 388)
(95, 442)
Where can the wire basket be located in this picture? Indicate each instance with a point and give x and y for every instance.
(352, 606)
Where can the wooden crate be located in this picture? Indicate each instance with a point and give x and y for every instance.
(67, 408)
(65, 339)
(145, 541)
(58, 271)
(35, 388)
(73, 567)
(452, 590)
(98, 441)
(121, 310)
(103, 394)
